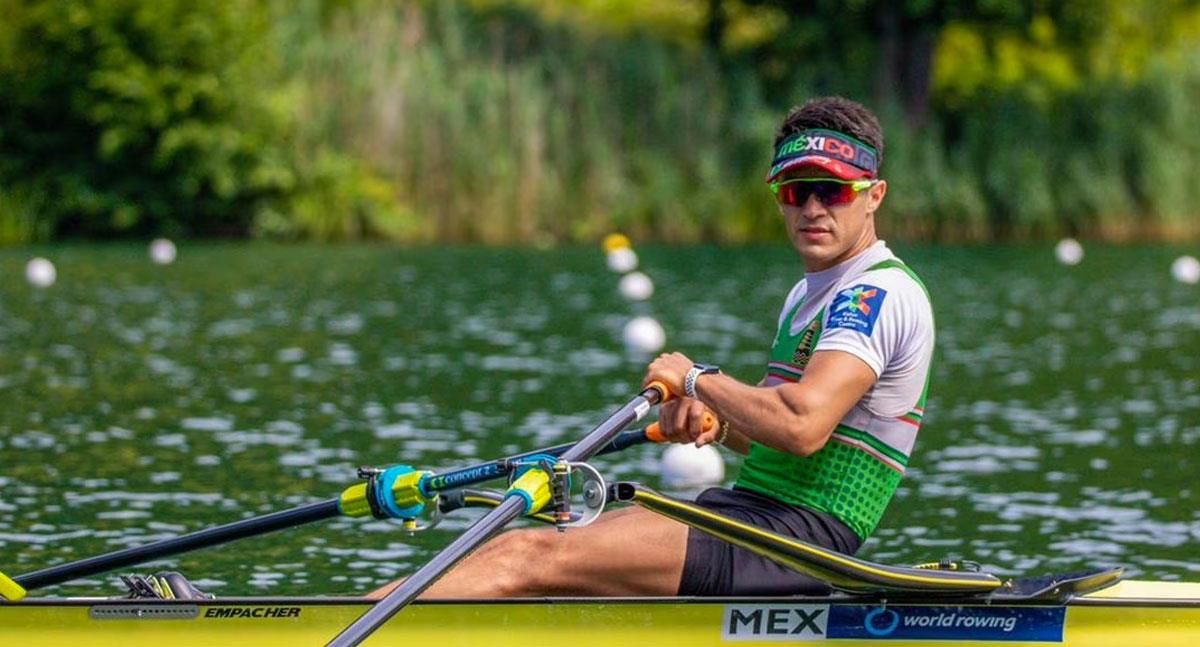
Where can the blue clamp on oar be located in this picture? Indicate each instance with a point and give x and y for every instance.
(407, 481)
(397, 492)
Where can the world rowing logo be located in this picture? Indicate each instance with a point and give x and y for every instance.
(881, 621)
(857, 308)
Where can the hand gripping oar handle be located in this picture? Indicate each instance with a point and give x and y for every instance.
(654, 431)
(513, 506)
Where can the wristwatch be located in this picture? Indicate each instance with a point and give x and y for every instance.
(689, 380)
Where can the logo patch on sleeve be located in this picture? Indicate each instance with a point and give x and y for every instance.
(857, 308)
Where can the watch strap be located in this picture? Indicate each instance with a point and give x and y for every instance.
(689, 381)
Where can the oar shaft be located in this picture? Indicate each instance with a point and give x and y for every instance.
(490, 524)
(464, 545)
(281, 520)
(623, 440)
(595, 441)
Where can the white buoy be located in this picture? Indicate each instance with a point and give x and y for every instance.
(622, 260)
(162, 251)
(1186, 269)
(636, 286)
(40, 272)
(1069, 251)
(686, 465)
(645, 335)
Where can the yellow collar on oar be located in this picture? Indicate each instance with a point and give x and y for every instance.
(10, 590)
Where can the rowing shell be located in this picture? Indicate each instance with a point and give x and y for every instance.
(1131, 612)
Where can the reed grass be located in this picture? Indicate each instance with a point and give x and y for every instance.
(498, 129)
(452, 121)
(491, 126)
(20, 216)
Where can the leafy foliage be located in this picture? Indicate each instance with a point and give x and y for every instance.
(134, 117)
(544, 120)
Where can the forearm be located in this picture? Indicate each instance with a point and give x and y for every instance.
(760, 414)
(736, 441)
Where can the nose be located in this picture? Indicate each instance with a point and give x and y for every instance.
(812, 208)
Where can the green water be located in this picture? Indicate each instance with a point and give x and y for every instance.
(140, 401)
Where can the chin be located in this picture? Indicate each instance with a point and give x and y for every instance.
(814, 251)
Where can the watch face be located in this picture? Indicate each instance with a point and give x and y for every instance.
(708, 368)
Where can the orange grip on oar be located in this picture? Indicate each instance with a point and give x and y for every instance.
(661, 387)
(654, 431)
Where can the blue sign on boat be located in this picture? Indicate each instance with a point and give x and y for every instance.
(1029, 624)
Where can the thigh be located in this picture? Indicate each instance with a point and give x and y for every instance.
(625, 552)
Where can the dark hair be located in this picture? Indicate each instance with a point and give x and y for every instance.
(835, 113)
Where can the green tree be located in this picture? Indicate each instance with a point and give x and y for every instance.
(896, 42)
(135, 117)
(846, 42)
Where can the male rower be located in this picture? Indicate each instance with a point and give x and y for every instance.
(827, 431)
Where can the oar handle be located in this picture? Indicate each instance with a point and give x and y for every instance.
(664, 392)
(654, 431)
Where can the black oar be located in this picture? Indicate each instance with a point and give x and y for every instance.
(282, 520)
(517, 503)
(174, 546)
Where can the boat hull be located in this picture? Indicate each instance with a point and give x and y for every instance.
(1159, 614)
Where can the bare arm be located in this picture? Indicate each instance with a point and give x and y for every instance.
(795, 418)
(735, 440)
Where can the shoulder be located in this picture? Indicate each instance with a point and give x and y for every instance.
(889, 293)
(896, 278)
(900, 280)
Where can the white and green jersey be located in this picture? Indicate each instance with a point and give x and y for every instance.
(875, 308)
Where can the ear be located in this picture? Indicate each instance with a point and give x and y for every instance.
(875, 195)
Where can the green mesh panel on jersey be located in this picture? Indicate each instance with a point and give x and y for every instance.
(838, 479)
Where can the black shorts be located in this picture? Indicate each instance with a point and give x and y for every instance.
(713, 567)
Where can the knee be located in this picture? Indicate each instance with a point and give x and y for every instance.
(522, 562)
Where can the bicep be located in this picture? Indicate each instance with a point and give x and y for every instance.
(833, 383)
